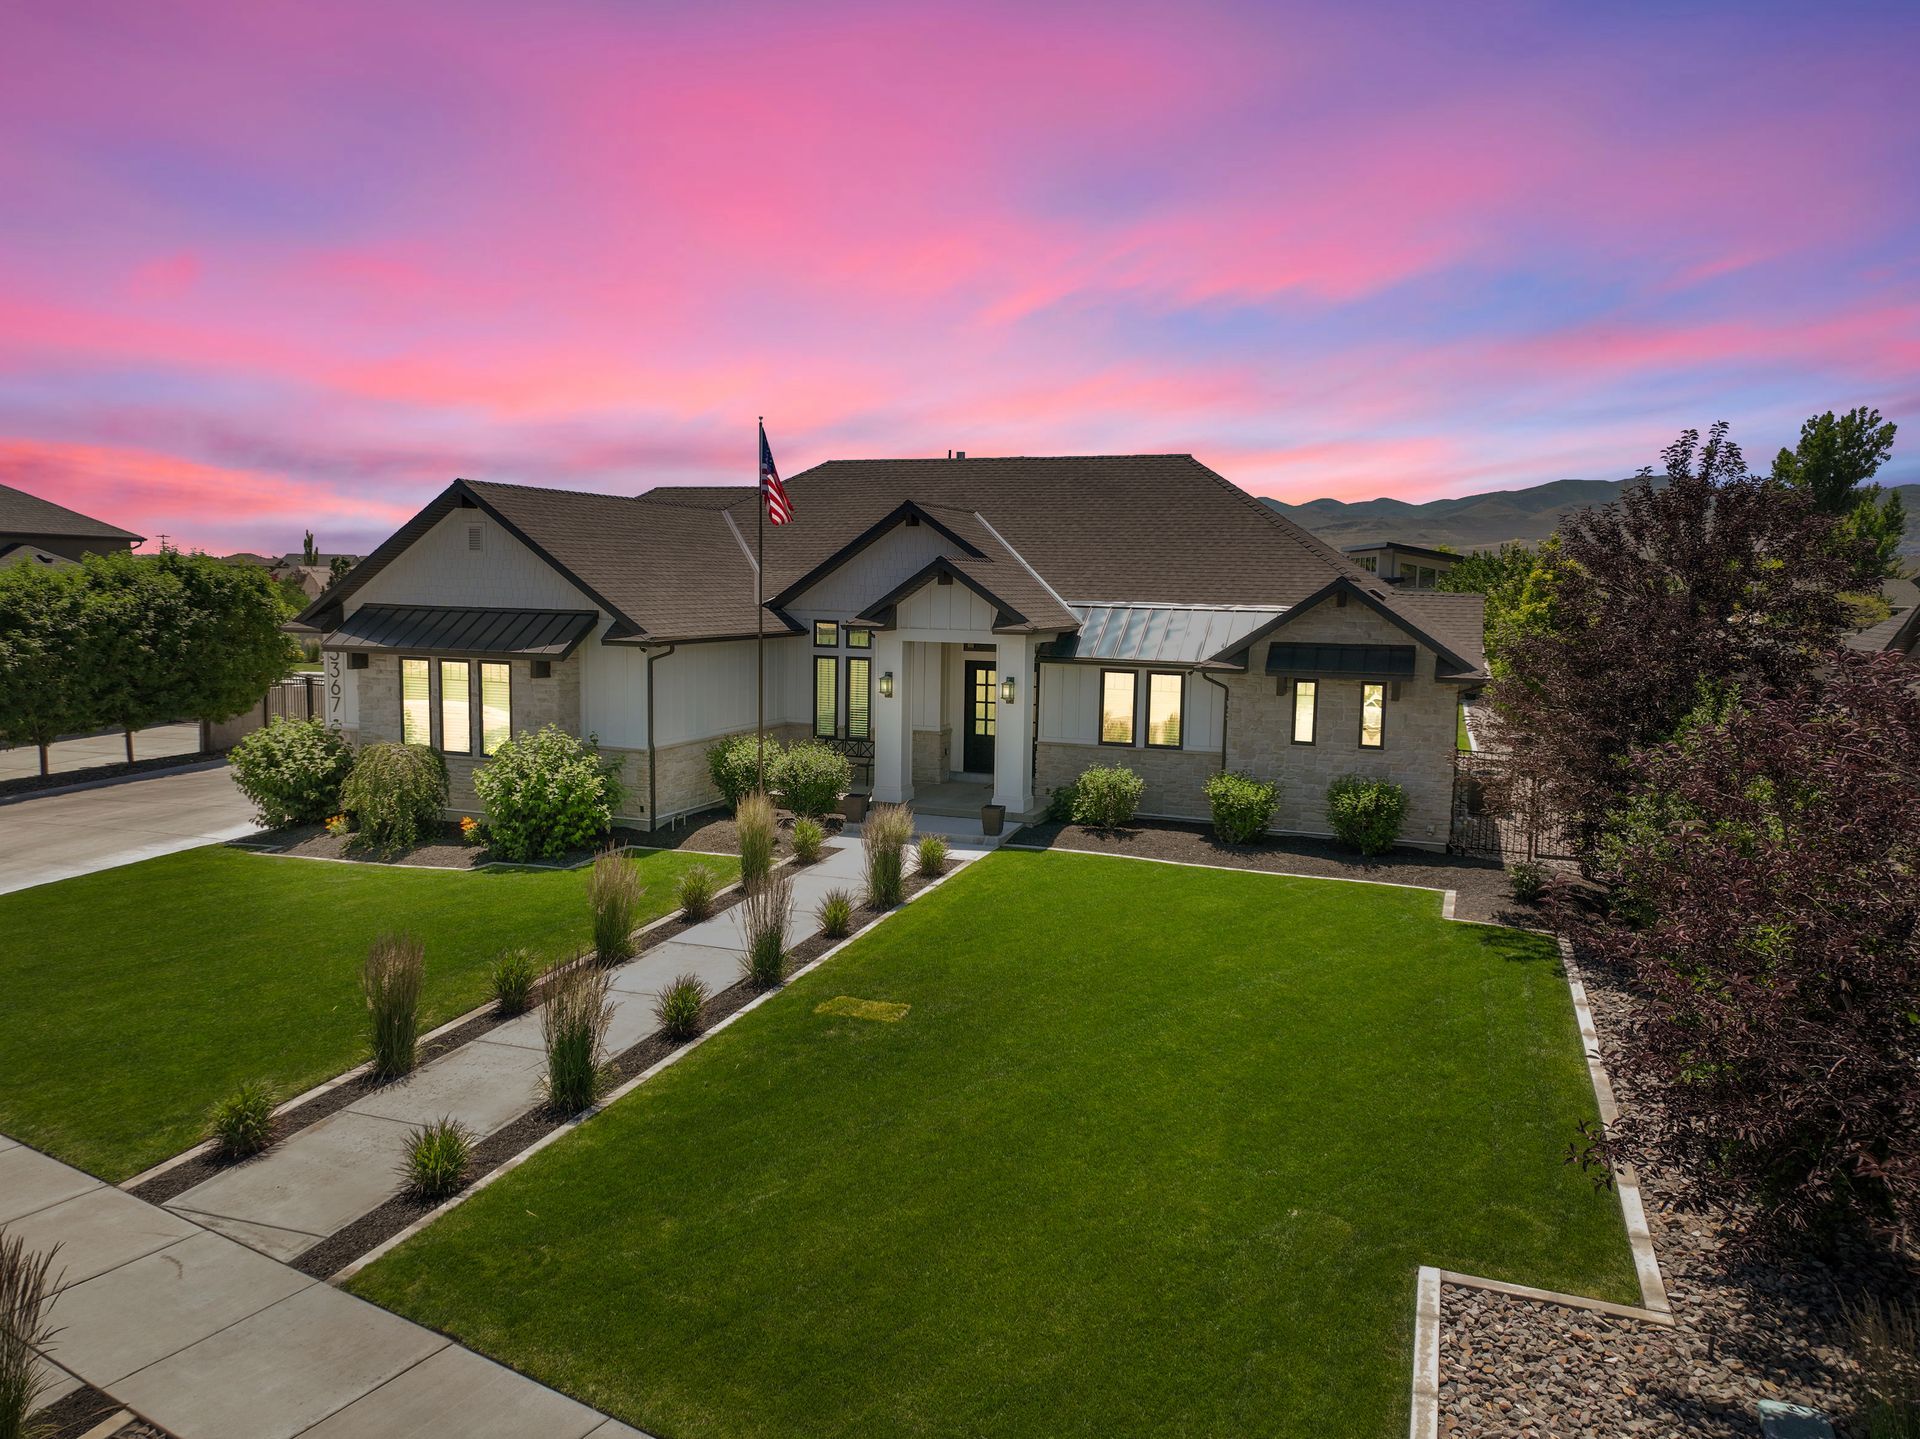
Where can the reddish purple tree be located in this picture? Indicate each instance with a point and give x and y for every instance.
(1766, 909)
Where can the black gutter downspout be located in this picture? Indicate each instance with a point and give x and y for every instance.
(1226, 701)
(653, 788)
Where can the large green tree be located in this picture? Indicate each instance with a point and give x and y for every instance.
(44, 691)
(1834, 465)
(1518, 583)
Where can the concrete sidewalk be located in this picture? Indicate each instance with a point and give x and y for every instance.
(210, 1340)
(324, 1177)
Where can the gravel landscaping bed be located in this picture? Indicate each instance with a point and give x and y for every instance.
(84, 1410)
(1751, 1325)
(1480, 885)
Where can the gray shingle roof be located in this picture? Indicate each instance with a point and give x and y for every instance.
(25, 514)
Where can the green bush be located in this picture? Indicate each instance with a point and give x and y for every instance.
(679, 1007)
(884, 837)
(546, 793)
(512, 977)
(395, 793)
(1366, 814)
(757, 829)
(242, 1123)
(931, 856)
(438, 1157)
(1528, 877)
(391, 979)
(765, 914)
(614, 891)
(574, 1022)
(698, 886)
(1106, 796)
(1242, 806)
(836, 913)
(807, 839)
(810, 778)
(732, 764)
(292, 770)
(1060, 804)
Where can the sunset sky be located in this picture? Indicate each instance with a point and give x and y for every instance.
(267, 267)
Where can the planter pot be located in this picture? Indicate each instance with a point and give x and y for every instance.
(854, 807)
(992, 817)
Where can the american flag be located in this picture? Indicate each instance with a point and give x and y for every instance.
(779, 507)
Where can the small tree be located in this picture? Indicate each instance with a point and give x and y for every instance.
(1518, 584)
(44, 691)
(1833, 466)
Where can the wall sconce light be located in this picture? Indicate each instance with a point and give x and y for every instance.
(1006, 690)
(886, 685)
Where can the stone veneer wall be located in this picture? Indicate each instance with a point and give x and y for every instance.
(684, 786)
(930, 750)
(1174, 776)
(1417, 755)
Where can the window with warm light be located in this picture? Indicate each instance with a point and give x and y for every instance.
(456, 707)
(1306, 695)
(859, 697)
(1373, 716)
(826, 633)
(496, 706)
(416, 703)
(1164, 695)
(826, 696)
(1119, 690)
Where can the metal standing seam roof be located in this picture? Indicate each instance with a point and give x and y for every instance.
(541, 634)
(1159, 634)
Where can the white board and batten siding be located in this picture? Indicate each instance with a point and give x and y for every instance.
(945, 607)
(1070, 707)
(879, 569)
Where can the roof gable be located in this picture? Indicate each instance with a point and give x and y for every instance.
(25, 514)
(1389, 607)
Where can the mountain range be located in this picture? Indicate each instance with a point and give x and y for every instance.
(1485, 521)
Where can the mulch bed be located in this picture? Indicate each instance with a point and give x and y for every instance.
(59, 779)
(368, 1232)
(1480, 886)
(84, 1410)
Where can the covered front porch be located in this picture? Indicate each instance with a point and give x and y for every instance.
(953, 720)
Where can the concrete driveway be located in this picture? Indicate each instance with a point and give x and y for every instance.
(62, 835)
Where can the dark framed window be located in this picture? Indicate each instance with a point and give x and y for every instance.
(1373, 716)
(416, 702)
(859, 697)
(1166, 705)
(456, 706)
(859, 639)
(496, 706)
(826, 696)
(826, 633)
(1306, 704)
(1119, 704)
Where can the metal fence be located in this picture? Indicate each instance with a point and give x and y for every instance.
(1503, 819)
(298, 697)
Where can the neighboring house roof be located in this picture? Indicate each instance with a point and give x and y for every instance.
(26, 554)
(1421, 550)
(25, 514)
(247, 557)
(441, 629)
(1159, 634)
(297, 559)
(1897, 634)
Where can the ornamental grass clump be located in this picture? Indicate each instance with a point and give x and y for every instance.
(765, 914)
(242, 1124)
(931, 856)
(1366, 814)
(757, 828)
(679, 1007)
(27, 1287)
(807, 839)
(884, 838)
(437, 1159)
(292, 770)
(546, 793)
(513, 976)
(391, 979)
(395, 794)
(1886, 1345)
(1242, 806)
(574, 1025)
(836, 913)
(698, 888)
(614, 891)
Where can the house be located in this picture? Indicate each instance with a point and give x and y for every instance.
(1411, 566)
(971, 630)
(1899, 633)
(29, 524)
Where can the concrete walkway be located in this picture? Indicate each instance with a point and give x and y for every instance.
(324, 1177)
(210, 1340)
(59, 836)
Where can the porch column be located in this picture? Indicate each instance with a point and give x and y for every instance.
(892, 721)
(1013, 726)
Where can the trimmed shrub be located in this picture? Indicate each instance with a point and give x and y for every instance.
(1061, 802)
(395, 793)
(242, 1123)
(757, 831)
(810, 778)
(733, 765)
(1242, 806)
(546, 793)
(884, 837)
(765, 913)
(391, 980)
(698, 887)
(513, 976)
(1528, 877)
(292, 770)
(807, 839)
(438, 1157)
(27, 1287)
(1106, 796)
(574, 1023)
(613, 894)
(930, 857)
(679, 1005)
(836, 913)
(1366, 814)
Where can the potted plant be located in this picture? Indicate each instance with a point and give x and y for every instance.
(992, 818)
(853, 807)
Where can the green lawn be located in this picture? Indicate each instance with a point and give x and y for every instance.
(138, 996)
(1153, 1151)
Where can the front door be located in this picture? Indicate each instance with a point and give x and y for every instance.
(983, 699)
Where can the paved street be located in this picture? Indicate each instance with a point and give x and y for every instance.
(59, 836)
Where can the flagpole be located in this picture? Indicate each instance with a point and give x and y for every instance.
(759, 624)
